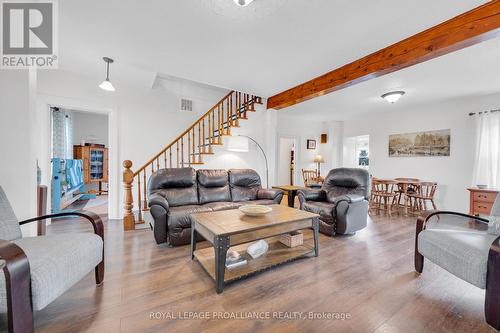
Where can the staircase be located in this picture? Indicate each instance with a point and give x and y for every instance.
(186, 150)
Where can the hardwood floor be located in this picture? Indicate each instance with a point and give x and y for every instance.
(369, 275)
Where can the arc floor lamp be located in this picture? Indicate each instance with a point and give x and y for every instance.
(240, 144)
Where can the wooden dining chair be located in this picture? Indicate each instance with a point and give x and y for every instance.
(384, 195)
(311, 178)
(372, 205)
(425, 193)
(411, 187)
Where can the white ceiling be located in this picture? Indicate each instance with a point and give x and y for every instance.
(264, 48)
(473, 71)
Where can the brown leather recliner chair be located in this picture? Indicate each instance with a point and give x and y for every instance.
(176, 193)
(342, 201)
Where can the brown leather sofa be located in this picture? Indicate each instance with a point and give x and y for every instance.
(173, 194)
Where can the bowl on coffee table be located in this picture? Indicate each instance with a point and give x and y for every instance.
(255, 210)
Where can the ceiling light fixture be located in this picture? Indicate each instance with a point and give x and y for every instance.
(106, 84)
(243, 3)
(393, 96)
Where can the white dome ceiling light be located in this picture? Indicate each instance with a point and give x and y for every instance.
(243, 3)
(243, 10)
(393, 96)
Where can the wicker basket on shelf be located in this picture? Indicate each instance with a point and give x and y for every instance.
(292, 239)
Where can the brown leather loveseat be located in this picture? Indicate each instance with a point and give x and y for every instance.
(173, 194)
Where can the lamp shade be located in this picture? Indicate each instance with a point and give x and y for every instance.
(237, 144)
(106, 85)
(319, 159)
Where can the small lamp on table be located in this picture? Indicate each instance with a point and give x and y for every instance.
(319, 159)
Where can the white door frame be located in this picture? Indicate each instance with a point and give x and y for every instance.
(45, 102)
(297, 153)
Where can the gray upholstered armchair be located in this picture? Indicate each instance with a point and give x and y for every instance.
(39, 269)
(342, 201)
(466, 246)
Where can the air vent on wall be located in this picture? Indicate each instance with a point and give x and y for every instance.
(186, 104)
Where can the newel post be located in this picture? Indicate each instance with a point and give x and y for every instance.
(128, 178)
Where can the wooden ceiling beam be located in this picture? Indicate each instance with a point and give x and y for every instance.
(477, 25)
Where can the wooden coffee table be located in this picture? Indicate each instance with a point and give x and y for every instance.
(231, 228)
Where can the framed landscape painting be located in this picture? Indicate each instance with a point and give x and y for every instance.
(429, 143)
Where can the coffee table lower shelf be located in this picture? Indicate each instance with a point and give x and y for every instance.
(277, 253)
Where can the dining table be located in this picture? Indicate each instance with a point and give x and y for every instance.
(404, 184)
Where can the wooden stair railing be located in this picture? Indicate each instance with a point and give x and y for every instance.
(186, 150)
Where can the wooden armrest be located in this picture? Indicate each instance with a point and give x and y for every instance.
(90, 216)
(425, 216)
(16, 269)
(492, 299)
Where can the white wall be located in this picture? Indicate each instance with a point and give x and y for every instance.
(17, 137)
(332, 150)
(285, 149)
(453, 173)
(304, 129)
(90, 127)
(143, 120)
(267, 127)
(261, 127)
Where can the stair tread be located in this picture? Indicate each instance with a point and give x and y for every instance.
(203, 153)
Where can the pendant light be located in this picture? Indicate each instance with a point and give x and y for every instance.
(106, 84)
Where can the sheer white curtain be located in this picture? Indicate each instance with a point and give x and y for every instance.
(62, 134)
(487, 160)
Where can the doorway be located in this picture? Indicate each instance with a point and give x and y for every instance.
(287, 157)
(357, 152)
(79, 160)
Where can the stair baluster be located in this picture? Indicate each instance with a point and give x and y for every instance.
(182, 152)
(245, 107)
(145, 202)
(139, 215)
(213, 126)
(194, 150)
(236, 106)
(228, 121)
(177, 154)
(199, 143)
(219, 124)
(203, 137)
(189, 148)
(210, 133)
